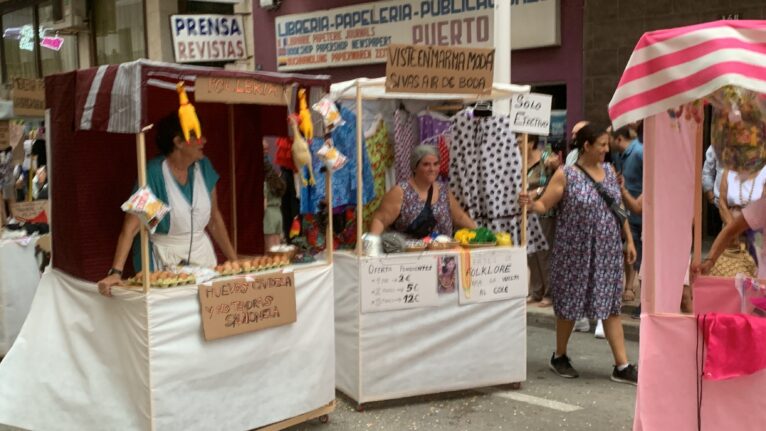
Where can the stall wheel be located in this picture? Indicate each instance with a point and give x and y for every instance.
(360, 407)
(515, 386)
(324, 419)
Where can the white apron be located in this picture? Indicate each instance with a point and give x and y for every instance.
(187, 238)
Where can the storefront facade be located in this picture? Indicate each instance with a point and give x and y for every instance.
(554, 67)
(42, 37)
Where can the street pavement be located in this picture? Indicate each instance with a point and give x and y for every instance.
(545, 401)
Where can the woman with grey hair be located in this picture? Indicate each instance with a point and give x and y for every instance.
(420, 206)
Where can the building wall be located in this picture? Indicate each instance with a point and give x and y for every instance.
(613, 27)
(555, 65)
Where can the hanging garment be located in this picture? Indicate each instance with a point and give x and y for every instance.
(187, 239)
(433, 129)
(343, 180)
(284, 157)
(733, 345)
(485, 176)
(405, 139)
(381, 159)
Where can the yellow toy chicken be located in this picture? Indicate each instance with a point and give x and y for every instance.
(306, 127)
(187, 115)
(301, 152)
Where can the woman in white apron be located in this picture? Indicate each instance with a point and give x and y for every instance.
(185, 180)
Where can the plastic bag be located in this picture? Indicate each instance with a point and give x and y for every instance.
(752, 294)
(333, 159)
(329, 112)
(145, 205)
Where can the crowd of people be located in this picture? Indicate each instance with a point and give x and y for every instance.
(23, 172)
(595, 244)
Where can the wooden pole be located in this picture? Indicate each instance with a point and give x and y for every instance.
(233, 168)
(697, 257)
(359, 203)
(329, 236)
(141, 155)
(524, 154)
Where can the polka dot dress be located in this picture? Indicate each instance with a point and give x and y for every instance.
(485, 176)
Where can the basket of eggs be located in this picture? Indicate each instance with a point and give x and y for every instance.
(248, 266)
(164, 279)
(283, 250)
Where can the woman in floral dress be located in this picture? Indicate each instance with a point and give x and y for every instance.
(587, 258)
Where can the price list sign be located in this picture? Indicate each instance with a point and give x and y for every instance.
(496, 275)
(395, 283)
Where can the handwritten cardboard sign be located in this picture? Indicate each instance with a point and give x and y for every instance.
(5, 134)
(30, 211)
(240, 90)
(439, 69)
(395, 283)
(497, 274)
(28, 97)
(247, 304)
(531, 113)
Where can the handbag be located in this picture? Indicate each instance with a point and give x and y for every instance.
(734, 260)
(425, 222)
(620, 213)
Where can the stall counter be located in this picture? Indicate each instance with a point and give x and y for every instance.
(84, 361)
(19, 276)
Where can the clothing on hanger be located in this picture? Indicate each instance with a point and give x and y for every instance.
(486, 175)
(405, 140)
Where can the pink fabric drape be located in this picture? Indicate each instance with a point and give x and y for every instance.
(668, 210)
(733, 345)
(667, 384)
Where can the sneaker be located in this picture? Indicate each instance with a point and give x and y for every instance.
(629, 375)
(563, 367)
(636, 313)
(582, 325)
(600, 330)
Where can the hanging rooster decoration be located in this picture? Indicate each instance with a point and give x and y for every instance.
(187, 115)
(306, 126)
(300, 151)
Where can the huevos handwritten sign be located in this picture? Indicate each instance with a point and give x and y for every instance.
(247, 304)
(439, 69)
(239, 90)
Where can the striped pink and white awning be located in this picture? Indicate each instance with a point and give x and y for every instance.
(669, 68)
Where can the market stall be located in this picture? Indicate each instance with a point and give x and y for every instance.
(412, 323)
(671, 75)
(19, 275)
(164, 358)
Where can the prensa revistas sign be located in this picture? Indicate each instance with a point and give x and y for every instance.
(205, 38)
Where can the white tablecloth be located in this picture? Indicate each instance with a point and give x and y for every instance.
(401, 353)
(19, 276)
(86, 362)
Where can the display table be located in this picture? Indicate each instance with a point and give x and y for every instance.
(84, 361)
(441, 347)
(19, 276)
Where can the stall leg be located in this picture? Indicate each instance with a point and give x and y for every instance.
(360, 407)
(515, 386)
(325, 419)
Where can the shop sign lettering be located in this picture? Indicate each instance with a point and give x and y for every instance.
(205, 38)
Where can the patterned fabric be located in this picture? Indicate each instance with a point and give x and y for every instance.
(485, 176)
(284, 157)
(381, 158)
(405, 137)
(412, 206)
(432, 125)
(6, 168)
(436, 125)
(587, 253)
(344, 179)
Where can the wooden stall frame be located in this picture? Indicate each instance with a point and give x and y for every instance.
(502, 91)
(141, 159)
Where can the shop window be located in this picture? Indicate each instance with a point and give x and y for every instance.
(119, 30)
(58, 52)
(19, 47)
